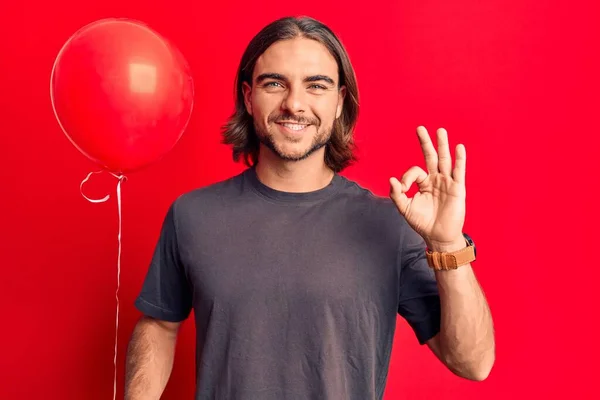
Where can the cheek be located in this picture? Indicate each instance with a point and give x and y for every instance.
(326, 110)
(265, 105)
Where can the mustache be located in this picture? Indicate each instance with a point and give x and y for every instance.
(293, 118)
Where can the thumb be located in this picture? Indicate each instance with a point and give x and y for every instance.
(397, 194)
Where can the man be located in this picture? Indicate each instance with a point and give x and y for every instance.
(296, 274)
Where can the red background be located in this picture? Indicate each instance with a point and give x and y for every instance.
(515, 81)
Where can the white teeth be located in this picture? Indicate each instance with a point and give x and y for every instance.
(294, 127)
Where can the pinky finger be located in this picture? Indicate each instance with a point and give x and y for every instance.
(460, 164)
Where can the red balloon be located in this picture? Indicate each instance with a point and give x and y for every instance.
(121, 93)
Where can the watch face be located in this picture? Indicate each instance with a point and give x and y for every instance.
(471, 243)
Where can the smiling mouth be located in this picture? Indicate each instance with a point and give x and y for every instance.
(294, 127)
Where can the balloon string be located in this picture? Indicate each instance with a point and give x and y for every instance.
(121, 178)
(102, 200)
(118, 285)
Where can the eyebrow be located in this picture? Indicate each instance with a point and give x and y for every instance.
(313, 78)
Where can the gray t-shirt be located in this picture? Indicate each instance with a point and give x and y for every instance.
(295, 295)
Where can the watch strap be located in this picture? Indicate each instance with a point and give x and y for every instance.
(441, 261)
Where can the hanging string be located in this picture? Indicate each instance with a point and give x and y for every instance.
(121, 179)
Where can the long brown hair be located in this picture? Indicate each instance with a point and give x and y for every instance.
(239, 130)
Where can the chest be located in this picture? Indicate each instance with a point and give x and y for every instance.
(303, 258)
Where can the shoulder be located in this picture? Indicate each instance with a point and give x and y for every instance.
(364, 197)
(363, 201)
(382, 212)
(218, 194)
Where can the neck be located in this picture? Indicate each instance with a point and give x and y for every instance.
(302, 176)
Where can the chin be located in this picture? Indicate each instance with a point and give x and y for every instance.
(293, 152)
(292, 148)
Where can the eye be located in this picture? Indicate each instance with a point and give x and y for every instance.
(272, 84)
(316, 86)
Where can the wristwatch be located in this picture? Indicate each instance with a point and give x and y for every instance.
(441, 261)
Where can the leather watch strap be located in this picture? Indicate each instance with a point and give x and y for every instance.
(447, 261)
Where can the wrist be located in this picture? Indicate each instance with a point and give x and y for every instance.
(446, 247)
(450, 255)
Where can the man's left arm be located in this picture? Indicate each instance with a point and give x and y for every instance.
(465, 343)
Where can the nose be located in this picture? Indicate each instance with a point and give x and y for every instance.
(294, 101)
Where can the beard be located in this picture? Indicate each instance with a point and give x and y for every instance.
(320, 140)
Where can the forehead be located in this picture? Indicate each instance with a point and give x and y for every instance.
(297, 58)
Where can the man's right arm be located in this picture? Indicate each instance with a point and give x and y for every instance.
(150, 357)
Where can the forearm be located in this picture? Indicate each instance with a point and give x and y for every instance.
(149, 361)
(467, 333)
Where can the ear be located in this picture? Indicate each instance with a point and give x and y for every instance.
(341, 97)
(247, 90)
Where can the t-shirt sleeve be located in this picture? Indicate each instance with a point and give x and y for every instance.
(165, 293)
(419, 300)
